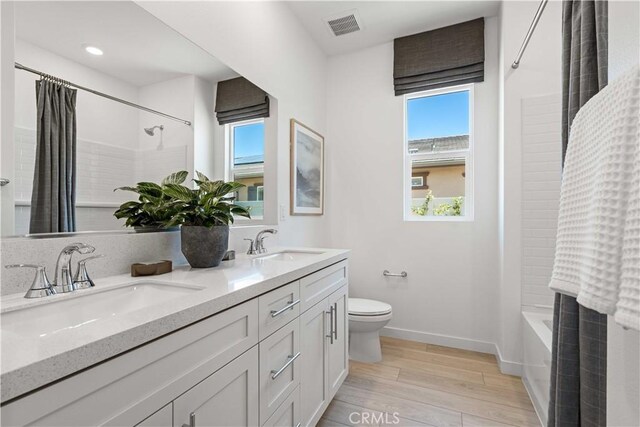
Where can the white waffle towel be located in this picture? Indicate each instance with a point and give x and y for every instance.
(598, 243)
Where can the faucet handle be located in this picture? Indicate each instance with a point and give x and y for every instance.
(260, 244)
(252, 250)
(41, 286)
(82, 280)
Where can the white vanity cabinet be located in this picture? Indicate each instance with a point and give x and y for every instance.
(275, 360)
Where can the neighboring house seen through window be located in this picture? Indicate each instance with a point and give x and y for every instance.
(246, 163)
(438, 154)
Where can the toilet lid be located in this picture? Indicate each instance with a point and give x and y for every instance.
(368, 307)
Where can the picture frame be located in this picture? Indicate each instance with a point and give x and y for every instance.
(307, 170)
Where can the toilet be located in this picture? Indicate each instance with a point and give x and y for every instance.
(366, 318)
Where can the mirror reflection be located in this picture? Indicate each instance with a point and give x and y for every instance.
(107, 96)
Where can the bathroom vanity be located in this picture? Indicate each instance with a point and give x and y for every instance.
(260, 341)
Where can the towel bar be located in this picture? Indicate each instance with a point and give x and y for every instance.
(389, 274)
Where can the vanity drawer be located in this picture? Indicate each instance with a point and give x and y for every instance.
(278, 307)
(279, 368)
(287, 414)
(319, 285)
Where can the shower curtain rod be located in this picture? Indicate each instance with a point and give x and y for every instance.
(532, 28)
(104, 95)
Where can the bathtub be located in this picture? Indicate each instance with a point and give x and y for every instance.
(536, 369)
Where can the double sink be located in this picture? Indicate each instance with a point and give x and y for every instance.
(67, 312)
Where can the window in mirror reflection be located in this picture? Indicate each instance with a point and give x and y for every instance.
(246, 163)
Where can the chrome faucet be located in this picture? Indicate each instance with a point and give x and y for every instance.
(63, 280)
(259, 242)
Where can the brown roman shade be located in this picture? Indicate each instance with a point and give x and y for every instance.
(238, 99)
(444, 57)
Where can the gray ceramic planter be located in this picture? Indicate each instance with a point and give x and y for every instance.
(204, 247)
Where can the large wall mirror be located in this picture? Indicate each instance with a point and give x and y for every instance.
(119, 50)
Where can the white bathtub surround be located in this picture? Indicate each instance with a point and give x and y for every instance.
(541, 177)
(598, 245)
(536, 370)
(29, 362)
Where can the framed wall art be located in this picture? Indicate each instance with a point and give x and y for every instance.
(307, 170)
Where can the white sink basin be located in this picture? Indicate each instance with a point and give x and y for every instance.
(62, 315)
(288, 256)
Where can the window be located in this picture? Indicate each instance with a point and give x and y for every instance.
(246, 163)
(438, 153)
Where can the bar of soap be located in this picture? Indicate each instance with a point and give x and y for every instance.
(152, 268)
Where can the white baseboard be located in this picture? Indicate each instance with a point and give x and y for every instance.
(506, 366)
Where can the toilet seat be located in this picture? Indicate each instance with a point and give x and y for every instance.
(362, 307)
(374, 318)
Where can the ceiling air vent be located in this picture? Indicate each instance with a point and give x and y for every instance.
(344, 23)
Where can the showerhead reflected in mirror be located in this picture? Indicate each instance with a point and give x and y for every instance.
(152, 131)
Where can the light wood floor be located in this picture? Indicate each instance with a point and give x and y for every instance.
(430, 385)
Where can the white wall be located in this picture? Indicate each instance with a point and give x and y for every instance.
(450, 295)
(264, 42)
(623, 347)
(539, 74)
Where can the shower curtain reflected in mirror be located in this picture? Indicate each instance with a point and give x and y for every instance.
(54, 182)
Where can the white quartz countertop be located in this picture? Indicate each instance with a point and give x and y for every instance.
(31, 361)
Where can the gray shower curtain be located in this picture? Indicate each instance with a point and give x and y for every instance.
(579, 348)
(53, 198)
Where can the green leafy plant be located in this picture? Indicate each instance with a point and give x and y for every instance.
(424, 207)
(171, 203)
(153, 208)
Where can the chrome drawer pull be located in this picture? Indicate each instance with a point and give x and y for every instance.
(275, 374)
(298, 425)
(331, 320)
(192, 420)
(335, 325)
(290, 304)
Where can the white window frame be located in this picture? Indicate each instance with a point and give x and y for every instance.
(466, 154)
(230, 168)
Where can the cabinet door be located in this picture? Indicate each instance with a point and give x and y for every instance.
(229, 397)
(279, 367)
(313, 363)
(162, 418)
(338, 349)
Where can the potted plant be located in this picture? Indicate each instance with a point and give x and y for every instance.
(153, 209)
(204, 214)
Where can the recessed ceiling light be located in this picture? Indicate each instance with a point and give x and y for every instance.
(93, 50)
